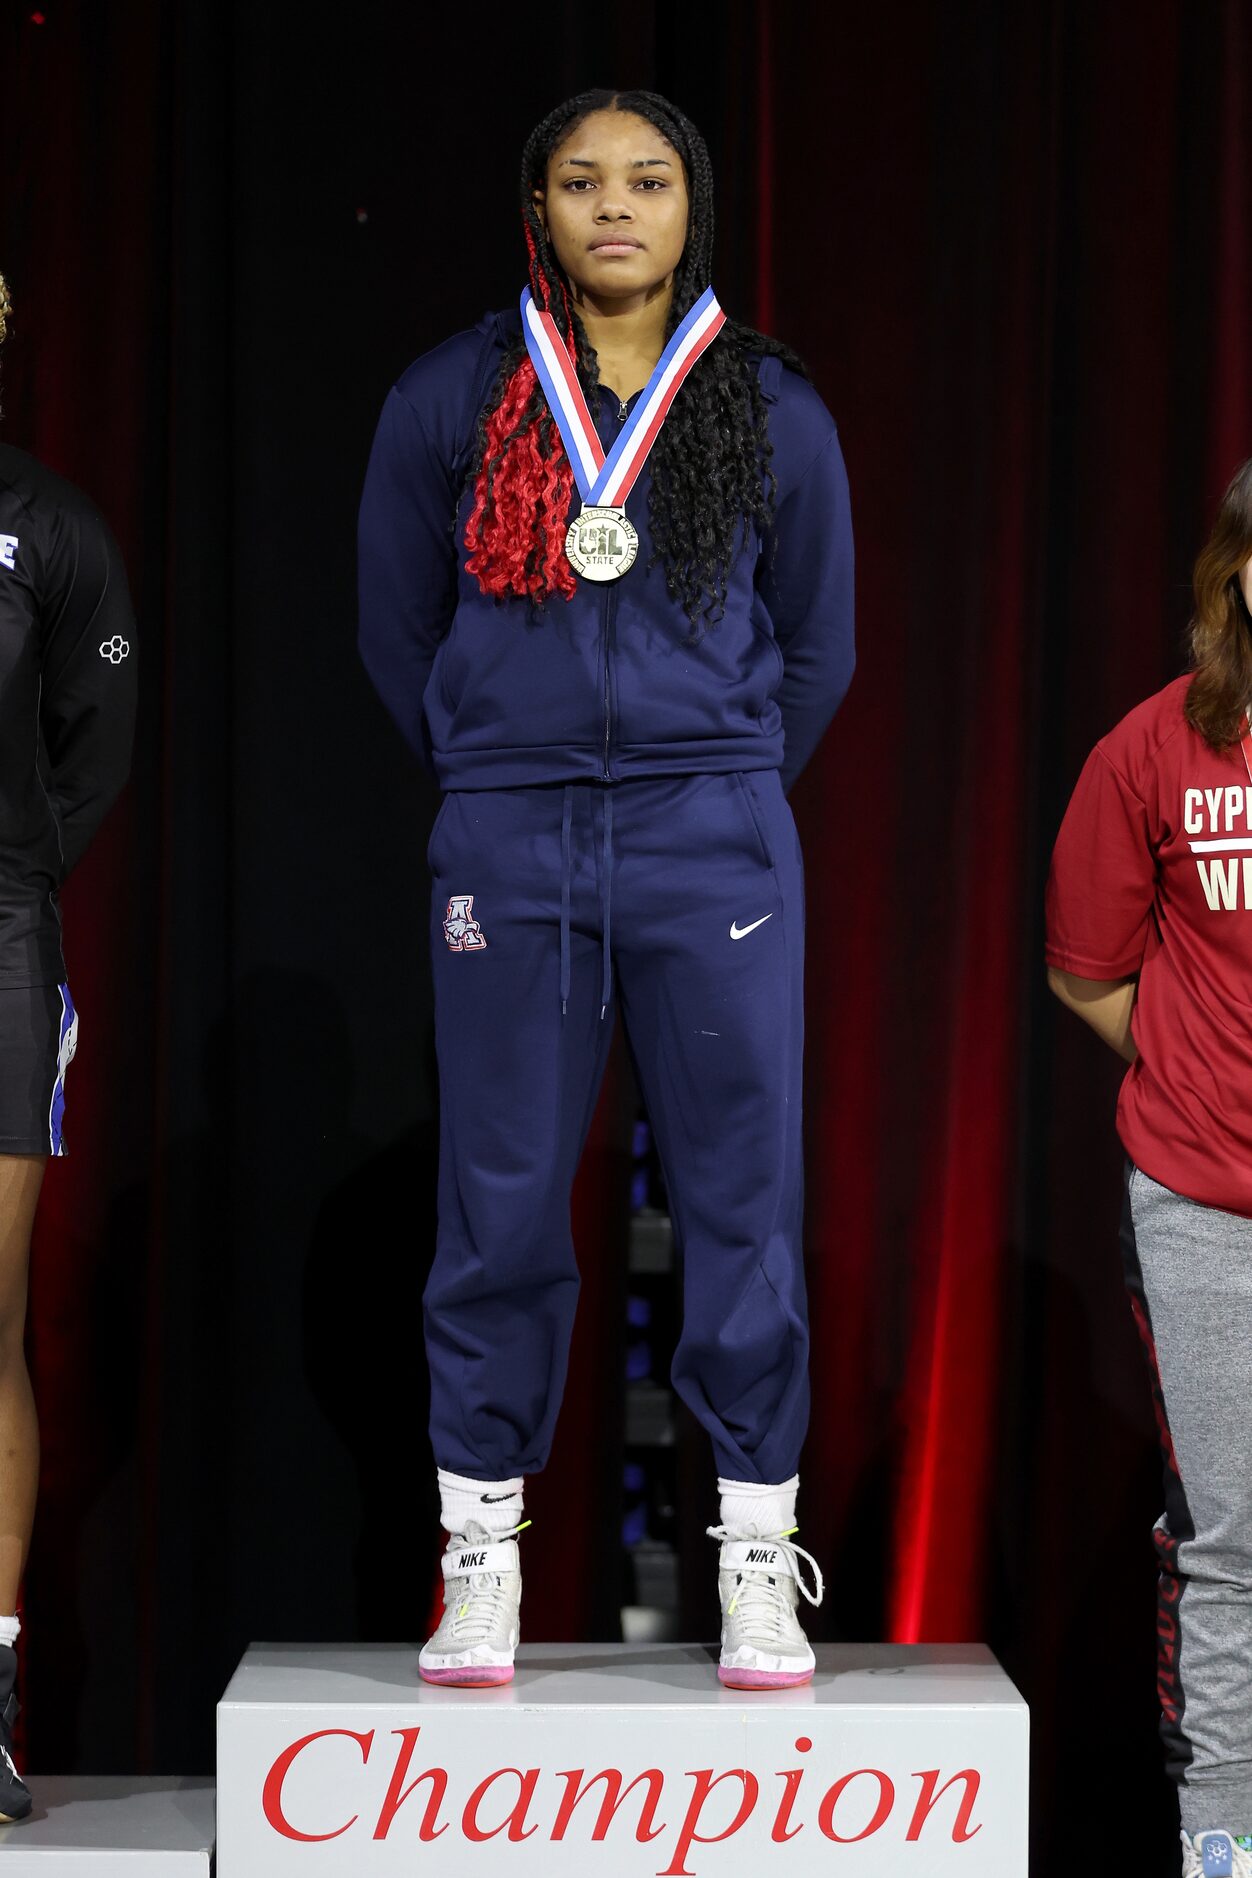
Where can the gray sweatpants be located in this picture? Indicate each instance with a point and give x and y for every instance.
(1189, 1273)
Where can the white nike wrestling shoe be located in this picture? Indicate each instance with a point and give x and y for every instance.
(474, 1645)
(763, 1646)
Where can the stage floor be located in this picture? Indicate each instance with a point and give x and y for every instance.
(94, 1826)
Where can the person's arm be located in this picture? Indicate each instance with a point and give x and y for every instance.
(1100, 899)
(407, 566)
(1106, 1005)
(808, 587)
(88, 677)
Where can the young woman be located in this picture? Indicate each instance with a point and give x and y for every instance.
(614, 697)
(1150, 941)
(67, 705)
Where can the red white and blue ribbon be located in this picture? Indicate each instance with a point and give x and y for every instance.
(606, 481)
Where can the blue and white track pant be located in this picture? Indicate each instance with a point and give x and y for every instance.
(682, 898)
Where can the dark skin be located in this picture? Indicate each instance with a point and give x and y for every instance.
(615, 208)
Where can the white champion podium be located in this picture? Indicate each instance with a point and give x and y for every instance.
(107, 1827)
(627, 1760)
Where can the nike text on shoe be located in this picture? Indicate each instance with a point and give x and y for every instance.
(1214, 1854)
(763, 1646)
(474, 1645)
(741, 932)
(15, 1800)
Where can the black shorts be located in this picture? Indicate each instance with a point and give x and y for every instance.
(38, 1037)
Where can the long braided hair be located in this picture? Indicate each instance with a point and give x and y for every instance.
(710, 466)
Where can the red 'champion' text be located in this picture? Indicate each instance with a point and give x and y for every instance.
(673, 1814)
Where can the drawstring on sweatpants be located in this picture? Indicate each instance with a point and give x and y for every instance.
(606, 888)
(606, 898)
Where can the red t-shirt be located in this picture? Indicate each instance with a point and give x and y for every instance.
(1152, 873)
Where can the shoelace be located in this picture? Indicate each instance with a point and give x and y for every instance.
(760, 1599)
(477, 1615)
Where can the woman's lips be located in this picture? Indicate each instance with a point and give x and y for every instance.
(617, 247)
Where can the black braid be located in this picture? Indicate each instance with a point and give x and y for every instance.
(710, 466)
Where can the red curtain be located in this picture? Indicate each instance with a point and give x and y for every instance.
(916, 275)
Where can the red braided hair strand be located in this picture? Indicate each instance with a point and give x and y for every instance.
(516, 528)
(538, 285)
(569, 323)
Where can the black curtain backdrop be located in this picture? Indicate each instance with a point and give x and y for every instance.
(1014, 245)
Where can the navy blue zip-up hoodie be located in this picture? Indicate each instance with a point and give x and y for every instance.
(493, 693)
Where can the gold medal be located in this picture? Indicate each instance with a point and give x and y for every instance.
(601, 543)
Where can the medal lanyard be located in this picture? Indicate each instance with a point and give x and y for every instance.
(606, 481)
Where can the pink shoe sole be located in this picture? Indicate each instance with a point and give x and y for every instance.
(763, 1678)
(482, 1676)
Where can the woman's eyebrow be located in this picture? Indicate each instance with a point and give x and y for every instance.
(639, 163)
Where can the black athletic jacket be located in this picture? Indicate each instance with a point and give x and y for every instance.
(67, 701)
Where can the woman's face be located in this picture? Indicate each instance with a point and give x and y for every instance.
(615, 206)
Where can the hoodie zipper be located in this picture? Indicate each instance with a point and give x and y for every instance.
(610, 608)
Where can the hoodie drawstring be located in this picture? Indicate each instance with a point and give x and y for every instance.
(606, 897)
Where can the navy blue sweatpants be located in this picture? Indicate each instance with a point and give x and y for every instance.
(683, 898)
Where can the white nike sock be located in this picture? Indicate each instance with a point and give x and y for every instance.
(10, 1629)
(495, 1505)
(752, 1510)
